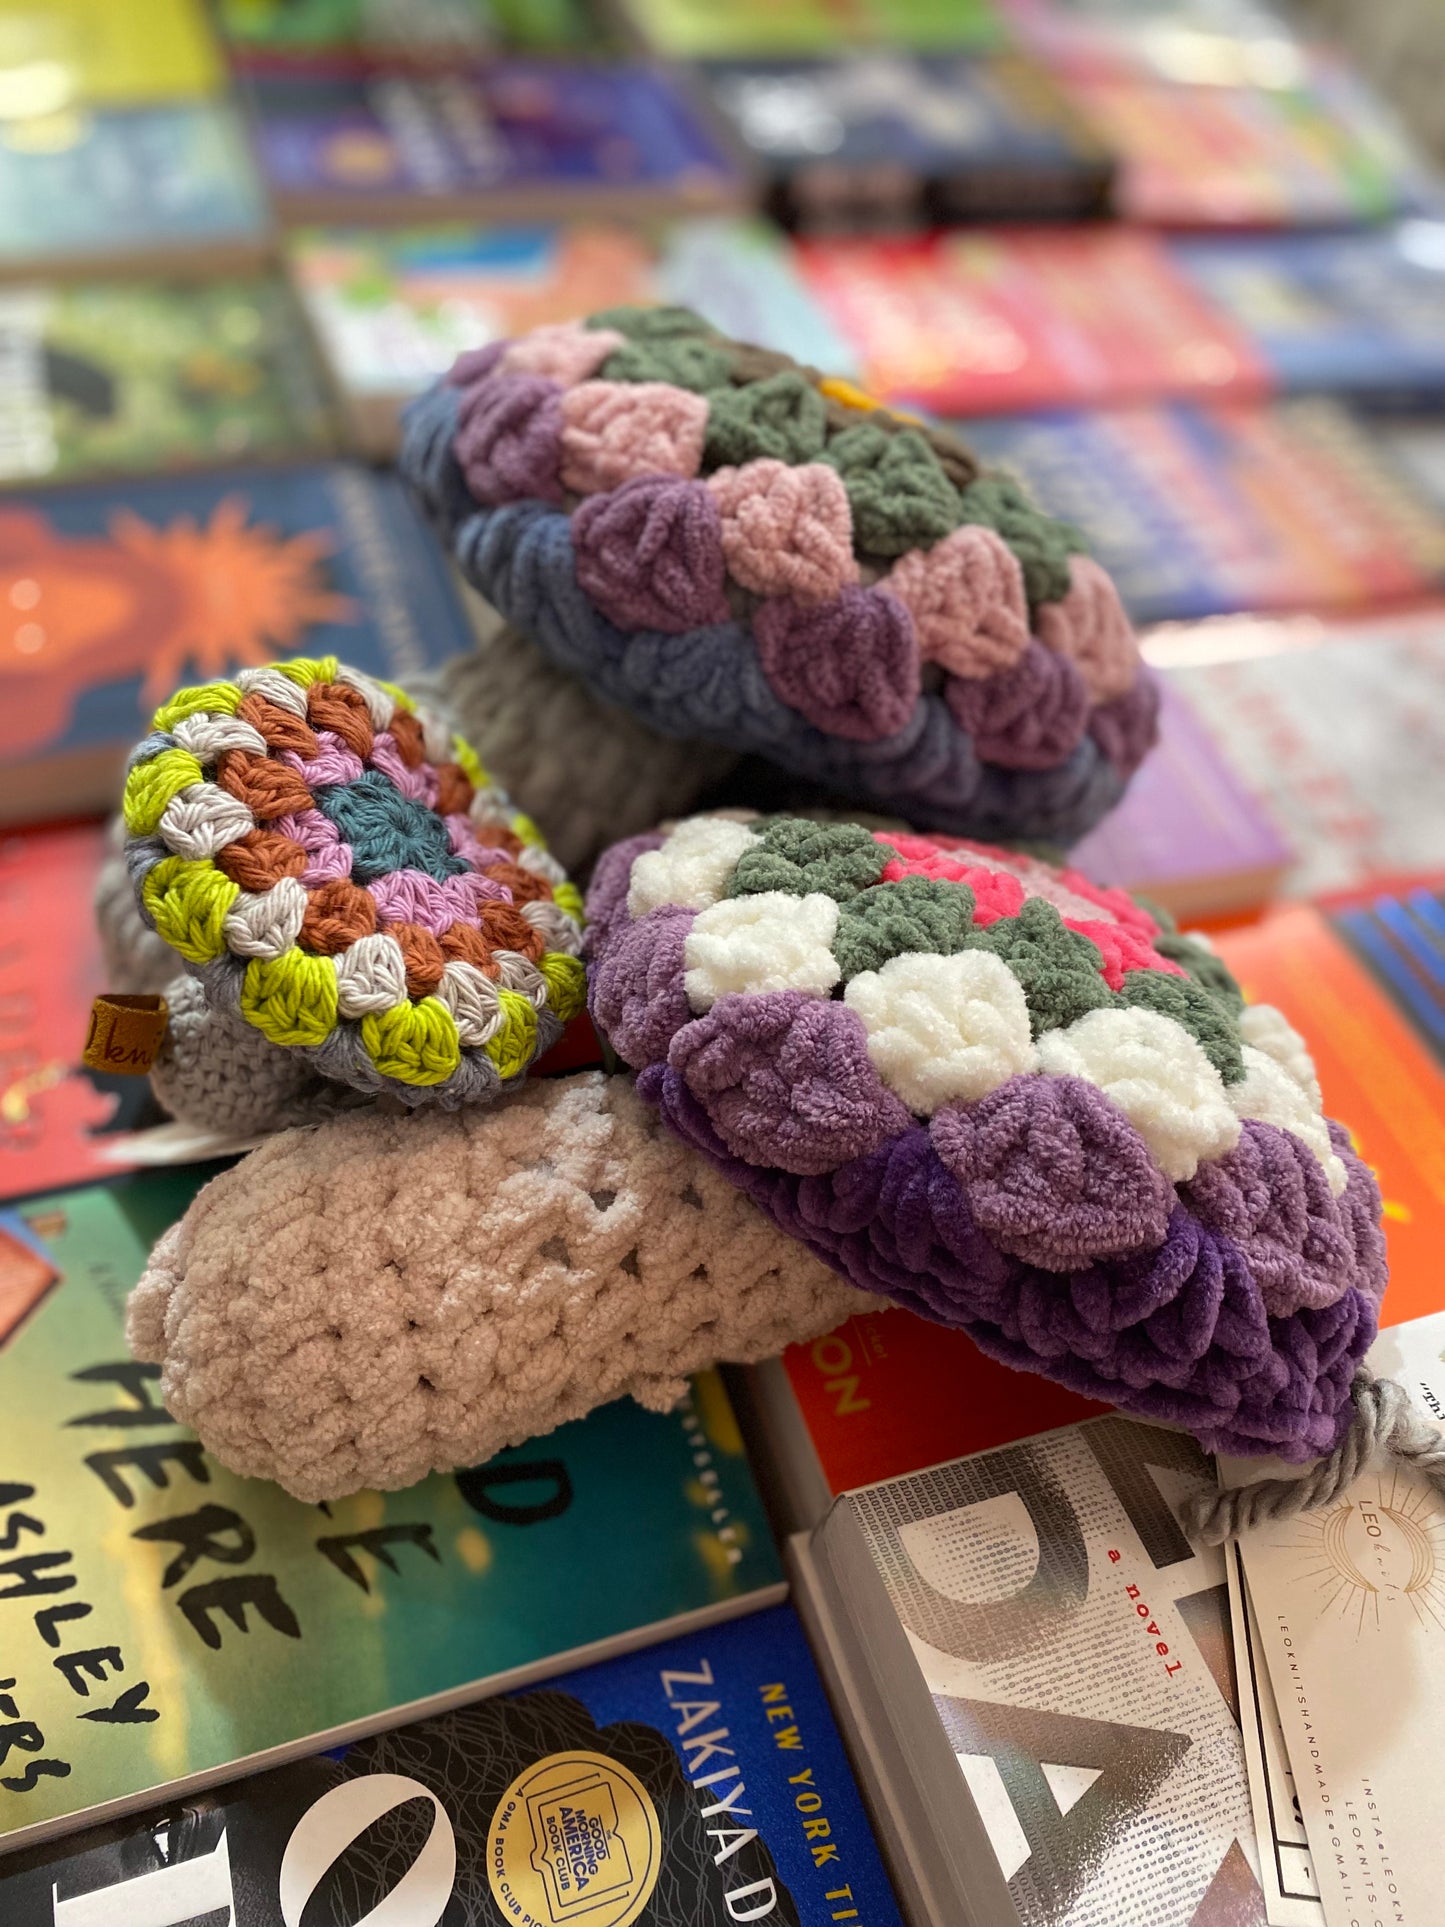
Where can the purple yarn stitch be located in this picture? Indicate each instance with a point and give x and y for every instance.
(650, 554)
(1029, 716)
(509, 439)
(850, 665)
(1127, 728)
(635, 992)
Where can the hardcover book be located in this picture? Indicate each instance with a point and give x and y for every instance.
(521, 139)
(170, 186)
(103, 377)
(393, 309)
(58, 54)
(115, 595)
(167, 1626)
(695, 1783)
(874, 141)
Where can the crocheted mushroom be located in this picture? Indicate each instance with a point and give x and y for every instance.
(361, 911)
(740, 551)
(984, 1088)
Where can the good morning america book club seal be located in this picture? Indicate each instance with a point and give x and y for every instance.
(698, 1783)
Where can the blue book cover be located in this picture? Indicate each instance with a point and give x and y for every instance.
(173, 178)
(1401, 942)
(1361, 314)
(116, 595)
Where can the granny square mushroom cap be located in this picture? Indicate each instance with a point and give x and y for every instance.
(339, 873)
(987, 1089)
(739, 550)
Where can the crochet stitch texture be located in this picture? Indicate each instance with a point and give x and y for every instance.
(336, 869)
(739, 550)
(991, 1091)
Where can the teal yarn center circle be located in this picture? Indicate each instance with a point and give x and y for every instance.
(387, 831)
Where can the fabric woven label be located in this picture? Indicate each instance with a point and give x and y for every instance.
(125, 1034)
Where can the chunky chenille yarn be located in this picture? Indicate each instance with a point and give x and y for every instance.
(335, 868)
(741, 551)
(1015, 1102)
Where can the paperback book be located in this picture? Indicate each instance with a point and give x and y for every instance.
(518, 139)
(114, 596)
(747, 29)
(414, 32)
(145, 1591)
(60, 54)
(115, 376)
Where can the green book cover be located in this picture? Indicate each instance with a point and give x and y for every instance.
(703, 29)
(104, 377)
(166, 1625)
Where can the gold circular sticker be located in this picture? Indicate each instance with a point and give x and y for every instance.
(575, 1837)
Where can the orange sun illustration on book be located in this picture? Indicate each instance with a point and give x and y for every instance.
(154, 602)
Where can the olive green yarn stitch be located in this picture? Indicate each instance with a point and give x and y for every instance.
(804, 859)
(887, 920)
(651, 324)
(685, 361)
(781, 418)
(1042, 545)
(1059, 970)
(1202, 967)
(900, 497)
(1201, 1015)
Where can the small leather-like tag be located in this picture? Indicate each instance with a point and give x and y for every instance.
(125, 1034)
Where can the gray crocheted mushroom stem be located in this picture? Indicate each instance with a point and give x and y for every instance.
(377, 1298)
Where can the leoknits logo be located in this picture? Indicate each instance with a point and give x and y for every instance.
(1373, 1556)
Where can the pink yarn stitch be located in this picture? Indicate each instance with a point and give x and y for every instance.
(563, 351)
(850, 666)
(420, 784)
(613, 431)
(966, 597)
(786, 531)
(1123, 949)
(335, 763)
(1090, 627)
(650, 554)
(328, 858)
(463, 840)
(996, 893)
(411, 896)
(509, 439)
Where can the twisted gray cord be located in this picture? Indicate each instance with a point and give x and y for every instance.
(1385, 1424)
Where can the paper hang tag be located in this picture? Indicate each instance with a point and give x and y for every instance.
(125, 1034)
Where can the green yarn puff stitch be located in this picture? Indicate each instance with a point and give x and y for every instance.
(1059, 970)
(651, 324)
(1215, 1032)
(1042, 545)
(781, 418)
(900, 497)
(685, 361)
(893, 919)
(804, 859)
(1203, 968)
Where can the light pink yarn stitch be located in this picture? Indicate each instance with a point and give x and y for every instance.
(1090, 626)
(436, 903)
(613, 431)
(786, 531)
(564, 351)
(419, 784)
(966, 597)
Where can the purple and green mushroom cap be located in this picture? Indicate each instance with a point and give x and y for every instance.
(738, 549)
(1016, 1103)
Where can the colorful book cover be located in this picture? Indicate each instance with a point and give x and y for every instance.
(1190, 834)
(518, 132)
(424, 32)
(167, 1625)
(115, 595)
(977, 323)
(1401, 941)
(878, 140)
(173, 181)
(698, 1782)
(56, 1120)
(1360, 313)
(59, 54)
(102, 377)
(748, 29)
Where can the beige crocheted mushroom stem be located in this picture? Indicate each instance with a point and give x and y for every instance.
(376, 1298)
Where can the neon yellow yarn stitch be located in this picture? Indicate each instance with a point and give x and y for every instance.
(469, 763)
(566, 981)
(206, 698)
(522, 825)
(515, 1044)
(189, 898)
(415, 1043)
(150, 786)
(305, 670)
(397, 694)
(568, 899)
(292, 998)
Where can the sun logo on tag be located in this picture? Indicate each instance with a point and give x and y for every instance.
(1376, 1555)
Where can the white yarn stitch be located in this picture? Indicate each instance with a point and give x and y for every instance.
(266, 924)
(207, 737)
(692, 868)
(202, 819)
(944, 1028)
(437, 738)
(1271, 1095)
(541, 863)
(1158, 1076)
(1270, 1031)
(370, 976)
(559, 931)
(771, 941)
(379, 706)
(275, 687)
(519, 973)
(490, 805)
(472, 999)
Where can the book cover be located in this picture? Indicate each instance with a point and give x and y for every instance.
(166, 1624)
(393, 308)
(698, 1782)
(985, 322)
(895, 140)
(420, 32)
(748, 29)
(101, 377)
(525, 137)
(116, 595)
(57, 1121)
(1360, 314)
(173, 184)
(58, 54)
(1204, 42)
(1400, 939)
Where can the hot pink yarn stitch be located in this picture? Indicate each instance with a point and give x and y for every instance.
(650, 554)
(786, 531)
(966, 597)
(850, 666)
(564, 351)
(613, 431)
(1090, 627)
